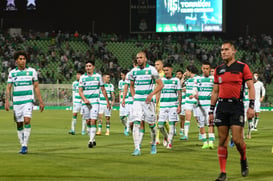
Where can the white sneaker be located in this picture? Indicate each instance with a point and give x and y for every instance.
(165, 142)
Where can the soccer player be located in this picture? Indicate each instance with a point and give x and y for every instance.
(259, 97)
(191, 102)
(142, 81)
(229, 83)
(159, 68)
(170, 104)
(89, 90)
(103, 104)
(181, 76)
(123, 110)
(204, 88)
(25, 82)
(127, 103)
(77, 104)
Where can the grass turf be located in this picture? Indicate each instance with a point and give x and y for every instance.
(56, 155)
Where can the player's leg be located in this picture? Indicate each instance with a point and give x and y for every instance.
(136, 118)
(108, 114)
(150, 118)
(83, 121)
(141, 132)
(73, 123)
(173, 119)
(162, 117)
(202, 130)
(188, 112)
(157, 130)
(102, 109)
(93, 123)
(182, 122)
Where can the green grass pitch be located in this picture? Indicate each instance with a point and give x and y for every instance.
(56, 155)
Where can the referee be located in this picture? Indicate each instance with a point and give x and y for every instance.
(229, 81)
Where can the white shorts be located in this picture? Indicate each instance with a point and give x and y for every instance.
(130, 112)
(22, 110)
(123, 111)
(142, 111)
(192, 107)
(257, 106)
(77, 107)
(103, 109)
(90, 113)
(168, 114)
(203, 116)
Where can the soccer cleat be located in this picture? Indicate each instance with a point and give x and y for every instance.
(126, 133)
(136, 152)
(98, 133)
(184, 138)
(165, 142)
(71, 132)
(181, 133)
(244, 168)
(231, 144)
(94, 143)
(222, 177)
(170, 146)
(23, 150)
(83, 132)
(153, 149)
(157, 142)
(90, 144)
(211, 146)
(205, 146)
(107, 133)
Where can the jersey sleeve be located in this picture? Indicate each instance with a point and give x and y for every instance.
(119, 85)
(9, 81)
(101, 81)
(247, 73)
(80, 81)
(179, 85)
(155, 74)
(35, 77)
(263, 89)
(215, 77)
(112, 88)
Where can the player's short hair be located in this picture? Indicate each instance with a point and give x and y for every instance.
(168, 65)
(192, 68)
(106, 73)
(255, 72)
(19, 53)
(124, 71)
(179, 70)
(90, 61)
(80, 72)
(230, 42)
(206, 63)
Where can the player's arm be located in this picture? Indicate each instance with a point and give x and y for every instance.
(251, 90)
(214, 97)
(106, 97)
(158, 88)
(179, 94)
(132, 88)
(113, 98)
(125, 90)
(86, 101)
(7, 96)
(38, 94)
(263, 93)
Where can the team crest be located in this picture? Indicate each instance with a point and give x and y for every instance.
(146, 72)
(95, 78)
(27, 73)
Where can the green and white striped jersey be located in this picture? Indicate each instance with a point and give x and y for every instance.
(144, 81)
(190, 83)
(22, 81)
(109, 88)
(75, 93)
(246, 96)
(129, 98)
(121, 85)
(169, 96)
(204, 87)
(91, 87)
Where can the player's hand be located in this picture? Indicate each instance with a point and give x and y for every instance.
(250, 113)
(42, 106)
(196, 96)
(261, 100)
(7, 105)
(211, 119)
(191, 96)
(123, 103)
(149, 99)
(178, 109)
(86, 101)
(108, 106)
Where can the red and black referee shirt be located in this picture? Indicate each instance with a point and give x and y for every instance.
(231, 79)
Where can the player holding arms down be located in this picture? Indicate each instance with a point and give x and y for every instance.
(25, 82)
(229, 83)
(89, 90)
(170, 104)
(103, 104)
(142, 81)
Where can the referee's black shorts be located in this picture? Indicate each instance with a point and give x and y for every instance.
(230, 113)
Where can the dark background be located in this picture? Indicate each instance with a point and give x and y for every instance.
(242, 17)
